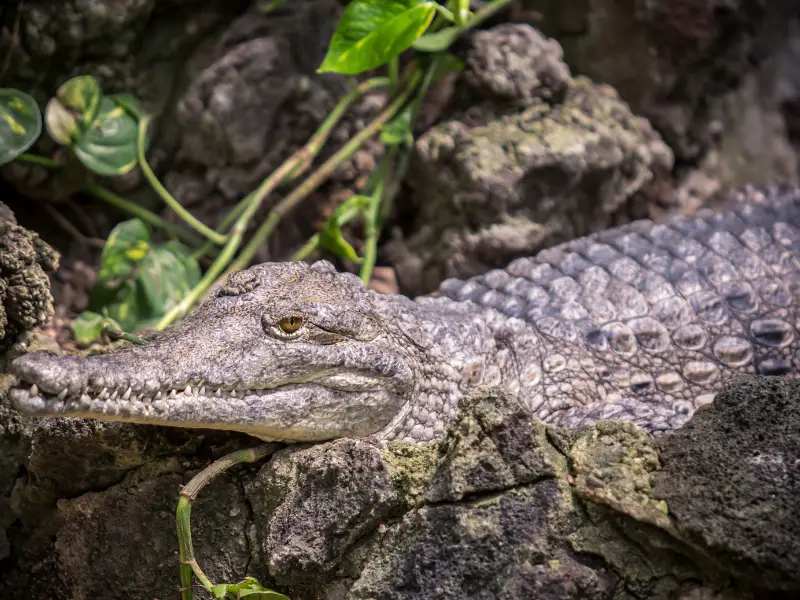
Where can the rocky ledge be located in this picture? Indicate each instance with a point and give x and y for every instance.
(504, 507)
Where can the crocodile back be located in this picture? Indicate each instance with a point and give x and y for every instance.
(650, 318)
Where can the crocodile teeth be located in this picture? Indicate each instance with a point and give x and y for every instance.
(203, 391)
(188, 390)
(114, 395)
(218, 393)
(158, 395)
(127, 394)
(62, 394)
(34, 390)
(173, 394)
(103, 393)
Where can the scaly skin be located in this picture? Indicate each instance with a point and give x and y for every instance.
(640, 323)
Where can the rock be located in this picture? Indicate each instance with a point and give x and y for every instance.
(503, 507)
(25, 300)
(313, 504)
(534, 164)
(718, 80)
(516, 65)
(252, 101)
(731, 479)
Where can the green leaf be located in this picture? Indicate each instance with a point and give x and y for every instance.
(73, 109)
(20, 123)
(331, 237)
(399, 130)
(61, 123)
(262, 595)
(166, 275)
(438, 41)
(108, 147)
(126, 246)
(130, 103)
(81, 96)
(138, 282)
(128, 308)
(248, 588)
(371, 32)
(87, 327)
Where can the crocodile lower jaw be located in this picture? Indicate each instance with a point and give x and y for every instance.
(305, 411)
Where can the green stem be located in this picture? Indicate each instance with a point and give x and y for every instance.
(317, 141)
(371, 225)
(307, 250)
(188, 563)
(234, 240)
(381, 199)
(234, 214)
(394, 74)
(118, 334)
(116, 201)
(313, 243)
(484, 13)
(321, 174)
(304, 158)
(181, 211)
(42, 161)
(447, 14)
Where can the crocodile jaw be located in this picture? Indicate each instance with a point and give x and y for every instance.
(294, 412)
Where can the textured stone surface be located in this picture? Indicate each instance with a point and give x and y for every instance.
(252, 100)
(312, 505)
(718, 80)
(731, 478)
(524, 166)
(92, 508)
(502, 507)
(25, 300)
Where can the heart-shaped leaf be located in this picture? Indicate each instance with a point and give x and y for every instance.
(73, 109)
(371, 32)
(20, 123)
(126, 246)
(89, 326)
(81, 96)
(138, 282)
(166, 275)
(108, 146)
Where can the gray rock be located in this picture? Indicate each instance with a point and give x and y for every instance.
(312, 505)
(731, 478)
(25, 300)
(541, 160)
(252, 100)
(503, 507)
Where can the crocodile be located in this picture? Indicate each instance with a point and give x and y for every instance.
(643, 322)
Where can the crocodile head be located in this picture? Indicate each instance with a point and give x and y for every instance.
(284, 351)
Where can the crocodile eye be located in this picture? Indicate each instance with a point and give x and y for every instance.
(290, 324)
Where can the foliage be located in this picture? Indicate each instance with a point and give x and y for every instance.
(20, 123)
(249, 588)
(138, 282)
(372, 32)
